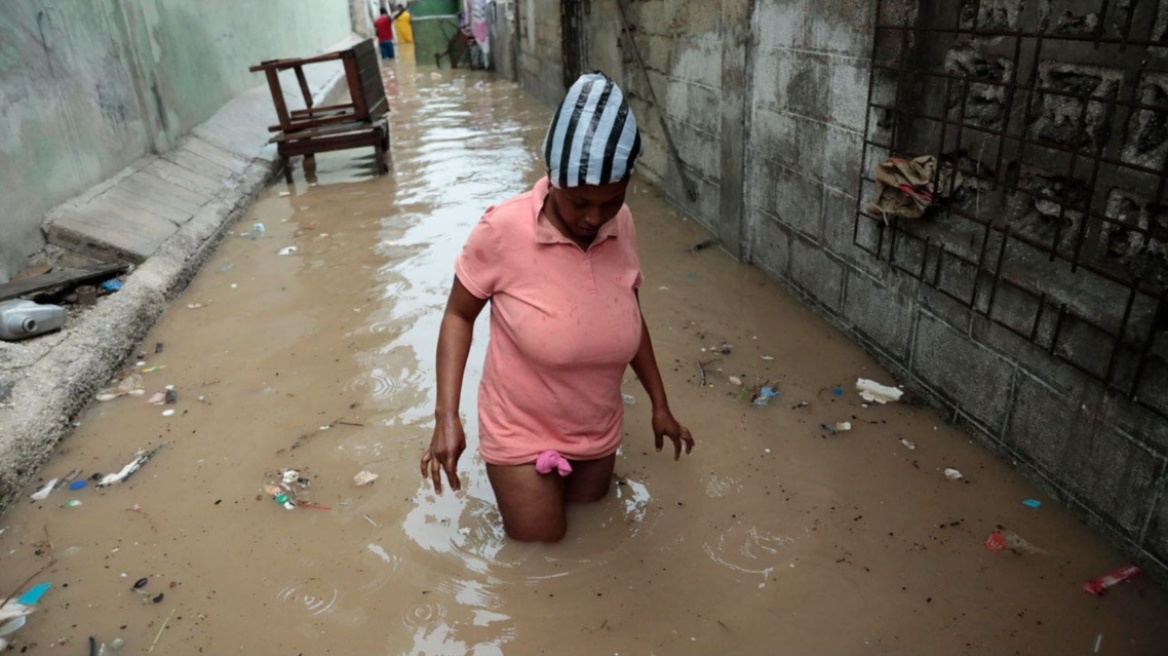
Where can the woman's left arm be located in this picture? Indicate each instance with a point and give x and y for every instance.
(644, 364)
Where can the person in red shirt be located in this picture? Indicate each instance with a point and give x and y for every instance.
(384, 27)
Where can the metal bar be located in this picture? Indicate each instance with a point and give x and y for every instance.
(1058, 328)
(1161, 308)
(1044, 90)
(1108, 117)
(985, 242)
(1070, 181)
(1009, 112)
(1098, 32)
(1131, 12)
(991, 34)
(998, 273)
(690, 190)
(936, 283)
(867, 128)
(1033, 83)
(897, 104)
(1033, 142)
(1033, 339)
(1115, 344)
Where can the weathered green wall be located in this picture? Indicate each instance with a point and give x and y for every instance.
(431, 36)
(87, 86)
(420, 8)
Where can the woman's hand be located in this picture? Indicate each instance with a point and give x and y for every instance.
(665, 424)
(454, 338)
(446, 447)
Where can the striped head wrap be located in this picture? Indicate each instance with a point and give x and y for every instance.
(593, 138)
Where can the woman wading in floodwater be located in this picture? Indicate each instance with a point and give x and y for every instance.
(559, 266)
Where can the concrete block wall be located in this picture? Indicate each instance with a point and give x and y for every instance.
(87, 87)
(767, 101)
(681, 47)
(540, 66)
(1100, 454)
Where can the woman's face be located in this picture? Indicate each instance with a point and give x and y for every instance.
(584, 209)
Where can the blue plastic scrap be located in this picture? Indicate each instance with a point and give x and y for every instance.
(1032, 503)
(34, 594)
(113, 285)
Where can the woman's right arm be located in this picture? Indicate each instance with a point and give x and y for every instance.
(454, 337)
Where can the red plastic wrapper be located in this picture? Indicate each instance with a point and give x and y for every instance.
(1100, 585)
(996, 541)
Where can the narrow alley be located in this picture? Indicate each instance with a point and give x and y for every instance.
(310, 345)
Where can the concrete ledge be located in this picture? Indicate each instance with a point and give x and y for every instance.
(168, 213)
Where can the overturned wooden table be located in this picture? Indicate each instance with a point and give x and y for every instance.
(361, 122)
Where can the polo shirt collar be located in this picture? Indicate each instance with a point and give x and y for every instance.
(546, 233)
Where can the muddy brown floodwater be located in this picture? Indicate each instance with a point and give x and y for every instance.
(770, 538)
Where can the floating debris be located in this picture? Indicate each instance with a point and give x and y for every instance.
(1102, 584)
(872, 391)
(43, 493)
(131, 467)
(837, 427)
(953, 474)
(364, 478)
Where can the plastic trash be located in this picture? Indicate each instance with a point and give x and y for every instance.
(112, 285)
(908, 445)
(953, 474)
(286, 492)
(837, 427)
(257, 230)
(43, 493)
(1101, 585)
(364, 478)
(735, 380)
(14, 614)
(131, 467)
(764, 397)
(629, 399)
(1032, 503)
(34, 594)
(874, 392)
(72, 503)
(287, 250)
(158, 398)
(153, 369)
(837, 390)
(20, 319)
(77, 485)
(1001, 539)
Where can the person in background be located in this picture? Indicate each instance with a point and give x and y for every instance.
(384, 27)
(401, 25)
(559, 266)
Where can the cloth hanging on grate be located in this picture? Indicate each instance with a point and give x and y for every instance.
(904, 187)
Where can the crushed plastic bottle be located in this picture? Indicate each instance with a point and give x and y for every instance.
(764, 396)
(20, 319)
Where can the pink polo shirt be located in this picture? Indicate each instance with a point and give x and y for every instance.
(564, 325)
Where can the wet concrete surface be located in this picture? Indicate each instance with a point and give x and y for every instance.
(773, 537)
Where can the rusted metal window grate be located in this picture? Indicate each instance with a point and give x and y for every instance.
(1050, 130)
